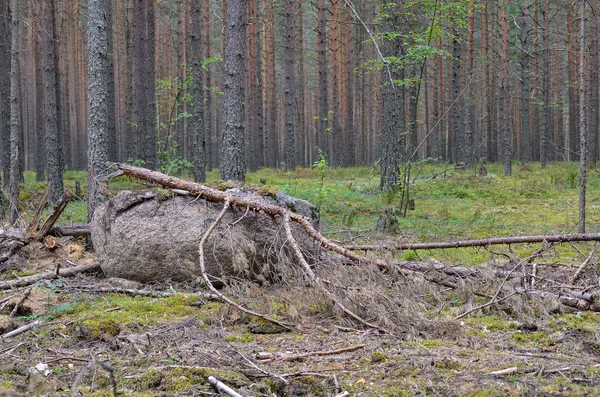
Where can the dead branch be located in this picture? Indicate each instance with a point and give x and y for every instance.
(10, 242)
(72, 230)
(15, 309)
(147, 293)
(222, 387)
(35, 222)
(575, 277)
(552, 238)
(293, 357)
(317, 281)
(64, 200)
(567, 300)
(20, 330)
(50, 275)
(209, 283)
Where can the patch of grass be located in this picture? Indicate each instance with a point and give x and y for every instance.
(582, 321)
(492, 323)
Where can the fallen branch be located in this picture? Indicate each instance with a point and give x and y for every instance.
(209, 283)
(15, 309)
(50, 275)
(35, 222)
(292, 357)
(147, 293)
(20, 330)
(222, 387)
(73, 231)
(575, 277)
(552, 238)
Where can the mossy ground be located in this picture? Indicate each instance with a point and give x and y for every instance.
(165, 346)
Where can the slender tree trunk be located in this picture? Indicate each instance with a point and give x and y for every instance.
(301, 134)
(485, 132)
(572, 43)
(322, 122)
(15, 127)
(5, 58)
(335, 113)
(97, 103)
(457, 130)
(350, 64)
(504, 84)
(594, 83)
(290, 85)
(197, 90)
(392, 112)
(40, 122)
(469, 153)
(130, 138)
(51, 108)
(525, 86)
(545, 135)
(233, 158)
(150, 88)
(111, 124)
(582, 118)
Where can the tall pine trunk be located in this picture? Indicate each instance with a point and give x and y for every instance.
(525, 86)
(233, 158)
(290, 85)
(15, 118)
(197, 91)
(97, 103)
(53, 163)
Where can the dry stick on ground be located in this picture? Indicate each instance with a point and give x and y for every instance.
(259, 369)
(50, 275)
(495, 299)
(317, 281)
(72, 230)
(35, 222)
(15, 309)
(138, 292)
(64, 200)
(209, 283)
(483, 242)
(292, 357)
(575, 277)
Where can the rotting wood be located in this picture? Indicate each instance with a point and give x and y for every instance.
(35, 222)
(266, 356)
(222, 387)
(20, 330)
(49, 275)
(551, 238)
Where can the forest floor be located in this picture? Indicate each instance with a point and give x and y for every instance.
(92, 339)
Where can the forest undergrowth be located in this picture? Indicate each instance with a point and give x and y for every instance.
(169, 342)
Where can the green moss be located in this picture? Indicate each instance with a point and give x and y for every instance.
(536, 337)
(492, 323)
(98, 319)
(242, 338)
(378, 356)
(583, 321)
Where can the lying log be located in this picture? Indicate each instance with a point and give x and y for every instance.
(72, 231)
(483, 242)
(10, 242)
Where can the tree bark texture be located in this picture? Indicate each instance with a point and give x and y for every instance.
(38, 136)
(5, 60)
(111, 124)
(594, 86)
(525, 86)
(15, 118)
(97, 104)
(323, 112)
(545, 71)
(392, 114)
(290, 85)
(582, 120)
(504, 99)
(197, 91)
(233, 158)
(53, 163)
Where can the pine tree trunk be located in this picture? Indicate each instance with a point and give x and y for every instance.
(592, 114)
(392, 113)
(52, 149)
(582, 120)
(97, 103)
(525, 86)
(5, 43)
(197, 91)
(111, 124)
(290, 85)
(504, 99)
(335, 113)
(233, 159)
(15, 117)
(572, 43)
(322, 122)
(545, 72)
(40, 122)
(301, 133)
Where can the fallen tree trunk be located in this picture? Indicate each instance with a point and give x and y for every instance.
(483, 242)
